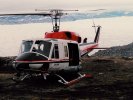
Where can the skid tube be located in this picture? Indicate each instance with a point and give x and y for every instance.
(71, 82)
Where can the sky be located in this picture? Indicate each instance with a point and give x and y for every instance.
(117, 26)
(22, 5)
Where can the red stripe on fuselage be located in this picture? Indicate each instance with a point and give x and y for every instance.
(37, 61)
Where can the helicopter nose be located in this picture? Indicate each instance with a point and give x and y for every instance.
(31, 56)
(31, 66)
(35, 66)
(29, 61)
(20, 66)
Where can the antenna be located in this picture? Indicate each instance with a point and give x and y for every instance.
(94, 25)
(93, 18)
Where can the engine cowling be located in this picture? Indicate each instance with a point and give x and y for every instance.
(63, 35)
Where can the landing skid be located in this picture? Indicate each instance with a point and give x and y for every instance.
(63, 81)
(19, 77)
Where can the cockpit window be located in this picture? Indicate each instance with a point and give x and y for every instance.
(26, 46)
(42, 47)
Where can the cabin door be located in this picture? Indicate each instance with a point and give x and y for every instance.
(73, 54)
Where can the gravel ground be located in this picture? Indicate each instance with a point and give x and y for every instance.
(112, 80)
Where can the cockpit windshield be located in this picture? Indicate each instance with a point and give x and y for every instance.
(26, 46)
(39, 46)
(42, 47)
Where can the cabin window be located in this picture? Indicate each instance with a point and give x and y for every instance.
(66, 51)
(26, 46)
(55, 53)
(42, 47)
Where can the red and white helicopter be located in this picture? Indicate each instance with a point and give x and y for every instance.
(58, 53)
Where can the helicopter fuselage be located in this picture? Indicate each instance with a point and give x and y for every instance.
(48, 55)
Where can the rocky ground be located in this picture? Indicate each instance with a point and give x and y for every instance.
(112, 80)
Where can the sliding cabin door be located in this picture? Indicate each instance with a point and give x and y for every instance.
(73, 54)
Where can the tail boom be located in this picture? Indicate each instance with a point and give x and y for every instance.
(88, 48)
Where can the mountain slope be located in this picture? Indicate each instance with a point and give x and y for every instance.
(119, 51)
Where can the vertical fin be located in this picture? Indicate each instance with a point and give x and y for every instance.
(97, 34)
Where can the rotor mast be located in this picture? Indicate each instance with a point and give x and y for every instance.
(56, 24)
(56, 16)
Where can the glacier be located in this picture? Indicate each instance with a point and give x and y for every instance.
(24, 19)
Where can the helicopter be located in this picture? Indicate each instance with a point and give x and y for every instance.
(58, 53)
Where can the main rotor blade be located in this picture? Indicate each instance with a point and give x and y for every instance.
(50, 10)
(97, 9)
(19, 14)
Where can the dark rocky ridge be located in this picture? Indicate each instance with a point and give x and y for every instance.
(6, 64)
(118, 51)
